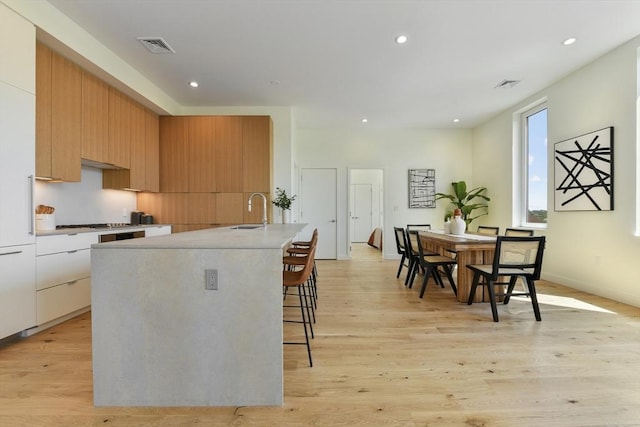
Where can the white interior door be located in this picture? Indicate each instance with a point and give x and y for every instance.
(362, 212)
(318, 208)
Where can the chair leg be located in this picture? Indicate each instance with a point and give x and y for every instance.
(427, 273)
(512, 284)
(411, 274)
(304, 323)
(534, 297)
(306, 303)
(492, 299)
(400, 266)
(474, 286)
(451, 281)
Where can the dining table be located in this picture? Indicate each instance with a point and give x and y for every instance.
(468, 249)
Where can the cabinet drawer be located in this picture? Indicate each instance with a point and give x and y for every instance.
(62, 299)
(65, 242)
(62, 267)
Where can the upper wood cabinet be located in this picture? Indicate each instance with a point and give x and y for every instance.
(119, 132)
(95, 119)
(256, 153)
(228, 154)
(142, 174)
(201, 145)
(58, 116)
(152, 151)
(173, 155)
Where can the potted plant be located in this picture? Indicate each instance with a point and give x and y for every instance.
(464, 200)
(284, 203)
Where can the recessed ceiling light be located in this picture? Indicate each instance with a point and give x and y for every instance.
(274, 82)
(569, 41)
(401, 39)
(193, 84)
(456, 120)
(365, 120)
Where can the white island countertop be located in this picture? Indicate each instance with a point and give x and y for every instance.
(274, 236)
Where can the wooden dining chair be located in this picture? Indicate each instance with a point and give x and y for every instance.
(488, 230)
(430, 264)
(518, 232)
(401, 247)
(515, 256)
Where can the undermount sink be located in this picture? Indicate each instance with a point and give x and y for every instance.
(246, 227)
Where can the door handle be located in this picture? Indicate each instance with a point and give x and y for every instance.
(333, 220)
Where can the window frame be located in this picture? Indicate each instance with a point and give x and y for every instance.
(523, 143)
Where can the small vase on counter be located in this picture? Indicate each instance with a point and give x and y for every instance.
(286, 216)
(458, 226)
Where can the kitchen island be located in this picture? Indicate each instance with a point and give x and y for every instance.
(160, 338)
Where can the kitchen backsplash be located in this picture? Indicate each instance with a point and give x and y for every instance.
(85, 202)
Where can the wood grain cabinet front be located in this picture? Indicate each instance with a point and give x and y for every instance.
(58, 116)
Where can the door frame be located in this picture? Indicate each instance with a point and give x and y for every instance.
(383, 203)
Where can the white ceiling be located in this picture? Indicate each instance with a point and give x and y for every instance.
(336, 62)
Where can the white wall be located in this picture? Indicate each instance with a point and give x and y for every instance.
(592, 251)
(448, 151)
(85, 202)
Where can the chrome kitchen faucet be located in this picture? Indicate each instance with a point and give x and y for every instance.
(264, 207)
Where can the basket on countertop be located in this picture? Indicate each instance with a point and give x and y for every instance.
(45, 218)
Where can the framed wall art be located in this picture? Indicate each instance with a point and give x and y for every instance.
(584, 172)
(422, 188)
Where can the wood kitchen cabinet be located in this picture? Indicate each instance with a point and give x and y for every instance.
(256, 153)
(173, 155)
(58, 116)
(95, 119)
(201, 145)
(119, 131)
(152, 151)
(228, 154)
(209, 165)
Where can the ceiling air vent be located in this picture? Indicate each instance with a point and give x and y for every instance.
(506, 84)
(156, 45)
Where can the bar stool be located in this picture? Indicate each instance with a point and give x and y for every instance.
(297, 280)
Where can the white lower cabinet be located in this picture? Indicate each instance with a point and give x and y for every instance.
(157, 231)
(17, 289)
(63, 299)
(63, 275)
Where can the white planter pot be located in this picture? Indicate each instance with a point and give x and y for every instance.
(458, 226)
(286, 216)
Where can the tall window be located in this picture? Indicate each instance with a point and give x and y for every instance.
(534, 177)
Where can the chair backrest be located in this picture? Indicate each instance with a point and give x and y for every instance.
(519, 252)
(489, 231)
(518, 232)
(401, 240)
(419, 227)
(412, 242)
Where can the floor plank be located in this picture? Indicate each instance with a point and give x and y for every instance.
(382, 356)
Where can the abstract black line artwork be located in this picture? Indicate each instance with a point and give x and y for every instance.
(422, 188)
(584, 172)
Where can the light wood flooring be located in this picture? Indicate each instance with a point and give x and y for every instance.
(382, 356)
